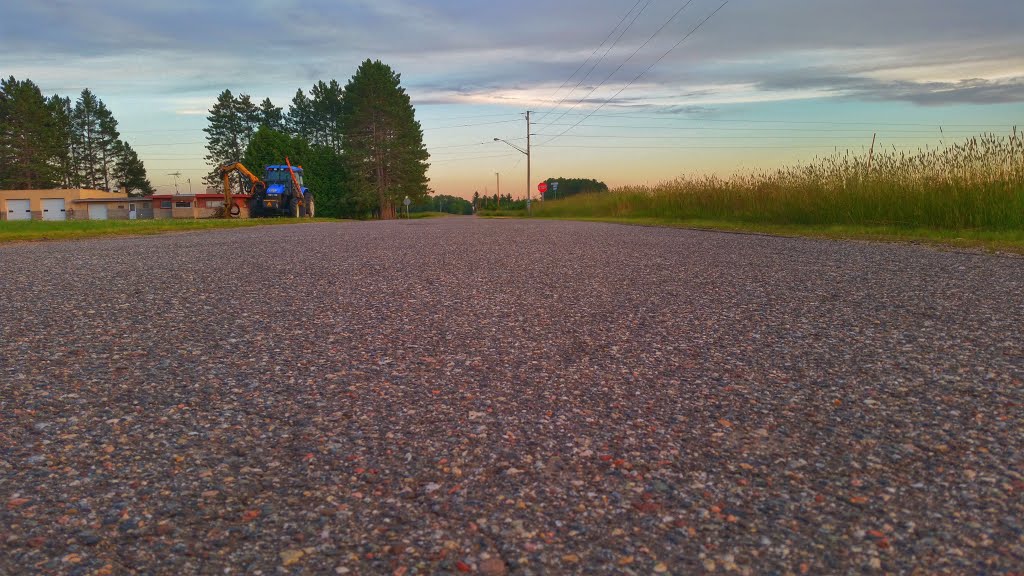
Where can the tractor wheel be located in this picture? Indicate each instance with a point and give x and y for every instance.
(310, 205)
(294, 210)
(256, 206)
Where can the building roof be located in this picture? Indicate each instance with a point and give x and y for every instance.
(122, 200)
(191, 196)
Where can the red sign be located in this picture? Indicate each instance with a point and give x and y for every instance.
(542, 187)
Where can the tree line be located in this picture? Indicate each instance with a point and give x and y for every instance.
(48, 142)
(573, 186)
(442, 203)
(360, 145)
(496, 202)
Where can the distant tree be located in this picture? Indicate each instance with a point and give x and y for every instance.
(383, 141)
(442, 203)
(94, 133)
(250, 114)
(108, 143)
(300, 119)
(317, 118)
(271, 116)
(29, 139)
(129, 171)
(225, 135)
(573, 186)
(476, 200)
(233, 122)
(66, 159)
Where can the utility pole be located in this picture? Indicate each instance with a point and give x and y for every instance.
(529, 178)
(497, 176)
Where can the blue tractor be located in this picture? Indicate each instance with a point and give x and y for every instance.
(282, 194)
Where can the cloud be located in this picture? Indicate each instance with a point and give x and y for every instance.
(928, 52)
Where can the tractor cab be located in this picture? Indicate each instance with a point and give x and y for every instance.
(279, 180)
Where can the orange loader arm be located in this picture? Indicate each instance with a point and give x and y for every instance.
(225, 173)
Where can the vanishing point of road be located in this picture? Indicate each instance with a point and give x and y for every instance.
(506, 396)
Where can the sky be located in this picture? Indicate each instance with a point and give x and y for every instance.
(623, 91)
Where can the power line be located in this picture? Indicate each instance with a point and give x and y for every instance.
(702, 147)
(624, 62)
(470, 125)
(469, 145)
(740, 137)
(631, 82)
(450, 160)
(866, 130)
(603, 56)
(623, 19)
(738, 120)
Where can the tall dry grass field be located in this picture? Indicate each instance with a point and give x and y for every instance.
(976, 184)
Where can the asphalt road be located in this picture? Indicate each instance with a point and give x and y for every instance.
(461, 395)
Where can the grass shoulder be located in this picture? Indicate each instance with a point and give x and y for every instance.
(1010, 241)
(34, 231)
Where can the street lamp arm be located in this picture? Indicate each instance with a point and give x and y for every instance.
(512, 145)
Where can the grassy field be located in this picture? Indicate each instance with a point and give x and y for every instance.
(968, 194)
(37, 230)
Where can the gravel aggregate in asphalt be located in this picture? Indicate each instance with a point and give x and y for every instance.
(508, 397)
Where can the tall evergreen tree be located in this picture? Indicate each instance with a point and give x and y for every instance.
(129, 171)
(233, 123)
(271, 116)
(29, 140)
(300, 115)
(384, 151)
(317, 118)
(90, 133)
(107, 146)
(250, 115)
(225, 136)
(65, 162)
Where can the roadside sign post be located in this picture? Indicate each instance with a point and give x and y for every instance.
(407, 202)
(554, 190)
(542, 188)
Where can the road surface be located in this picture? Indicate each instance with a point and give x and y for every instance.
(506, 396)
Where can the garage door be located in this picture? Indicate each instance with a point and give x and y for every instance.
(97, 212)
(53, 209)
(18, 210)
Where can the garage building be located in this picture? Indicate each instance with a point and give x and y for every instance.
(71, 204)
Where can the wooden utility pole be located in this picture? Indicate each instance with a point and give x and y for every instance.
(529, 178)
(871, 154)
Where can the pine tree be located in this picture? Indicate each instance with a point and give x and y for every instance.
(85, 122)
(28, 137)
(65, 161)
(233, 123)
(317, 118)
(107, 145)
(300, 115)
(271, 116)
(250, 115)
(224, 135)
(129, 171)
(383, 150)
